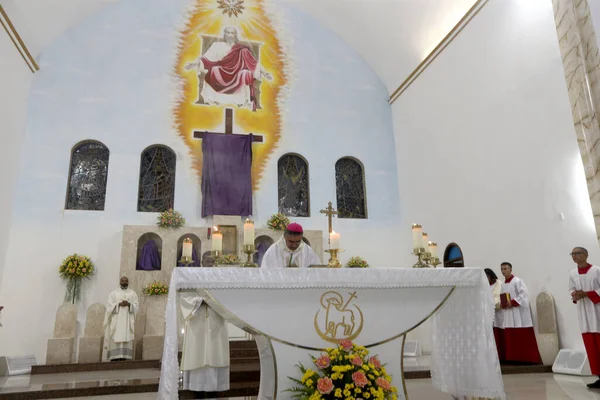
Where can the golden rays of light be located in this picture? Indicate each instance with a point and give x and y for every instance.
(209, 18)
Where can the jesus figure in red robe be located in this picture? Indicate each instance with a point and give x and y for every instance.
(584, 285)
(230, 70)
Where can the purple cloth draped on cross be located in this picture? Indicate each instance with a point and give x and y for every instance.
(149, 259)
(226, 174)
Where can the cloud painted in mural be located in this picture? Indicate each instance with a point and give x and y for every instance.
(230, 55)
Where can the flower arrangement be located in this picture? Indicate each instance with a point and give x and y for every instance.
(278, 222)
(170, 219)
(357, 262)
(344, 373)
(156, 289)
(73, 269)
(227, 259)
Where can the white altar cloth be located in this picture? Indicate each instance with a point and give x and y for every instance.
(280, 305)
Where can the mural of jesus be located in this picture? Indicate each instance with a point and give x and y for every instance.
(230, 69)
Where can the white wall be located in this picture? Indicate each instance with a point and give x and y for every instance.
(490, 129)
(15, 81)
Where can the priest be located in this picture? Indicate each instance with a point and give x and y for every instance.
(290, 251)
(119, 323)
(205, 353)
(515, 338)
(584, 285)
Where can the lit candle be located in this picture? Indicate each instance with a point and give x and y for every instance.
(217, 240)
(334, 241)
(187, 248)
(417, 236)
(249, 233)
(434, 250)
(426, 242)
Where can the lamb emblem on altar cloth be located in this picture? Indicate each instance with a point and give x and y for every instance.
(338, 319)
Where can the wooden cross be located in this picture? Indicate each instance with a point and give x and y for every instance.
(330, 212)
(228, 128)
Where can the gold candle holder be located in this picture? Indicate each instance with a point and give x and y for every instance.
(422, 258)
(434, 261)
(186, 261)
(249, 249)
(216, 254)
(333, 258)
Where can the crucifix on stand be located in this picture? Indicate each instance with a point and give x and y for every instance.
(330, 212)
(228, 128)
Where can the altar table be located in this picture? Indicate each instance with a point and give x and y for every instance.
(294, 313)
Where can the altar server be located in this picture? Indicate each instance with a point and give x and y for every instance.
(515, 337)
(205, 354)
(290, 251)
(584, 285)
(119, 323)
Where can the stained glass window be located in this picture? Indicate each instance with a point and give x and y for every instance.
(157, 179)
(293, 189)
(87, 177)
(350, 188)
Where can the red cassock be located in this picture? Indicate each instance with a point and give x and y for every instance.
(232, 72)
(513, 327)
(588, 311)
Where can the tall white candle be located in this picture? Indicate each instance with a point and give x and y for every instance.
(417, 231)
(426, 242)
(217, 240)
(249, 233)
(434, 250)
(187, 248)
(334, 241)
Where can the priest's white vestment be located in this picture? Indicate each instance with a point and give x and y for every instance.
(119, 325)
(280, 256)
(205, 360)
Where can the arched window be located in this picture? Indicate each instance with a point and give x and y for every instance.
(293, 186)
(453, 256)
(157, 179)
(350, 188)
(87, 176)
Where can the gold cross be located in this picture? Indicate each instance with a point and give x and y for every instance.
(330, 212)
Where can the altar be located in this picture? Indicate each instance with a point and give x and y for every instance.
(294, 313)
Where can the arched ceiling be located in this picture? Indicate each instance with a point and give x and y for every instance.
(394, 36)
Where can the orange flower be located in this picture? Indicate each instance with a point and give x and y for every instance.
(383, 383)
(375, 361)
(323, 362)
(325, 385)
(356, 360)
(360, 379)
(346, 345)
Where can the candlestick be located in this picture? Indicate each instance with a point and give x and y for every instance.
(417, 231)
(426, 242)
(217, 240)
(334, 241)
(249, 233)
(249, 249)
(333, 258)
(187, 248)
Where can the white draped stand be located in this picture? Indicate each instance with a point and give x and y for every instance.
(292, 312)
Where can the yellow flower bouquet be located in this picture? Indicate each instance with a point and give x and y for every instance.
(346, 373)
(73, 269)
(156, 289)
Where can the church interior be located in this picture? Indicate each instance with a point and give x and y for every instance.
(398, 148)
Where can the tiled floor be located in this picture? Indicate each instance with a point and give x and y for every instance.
(518, 387)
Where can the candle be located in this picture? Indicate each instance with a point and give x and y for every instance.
(217, 240)
(334, 241)
(187, 248)
(417, 236)
(426, 242)
(434, 250)
(249, 233)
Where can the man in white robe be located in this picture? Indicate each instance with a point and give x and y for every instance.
(205, 355)
(584, 286)
(290, 251)
(119, 323)
(515, 339)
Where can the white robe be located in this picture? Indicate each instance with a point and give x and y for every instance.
(119, 325)
(516, 317)
(280, 256)
(496, 289)
(205, 355)
(216, 52)
(588, 312)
